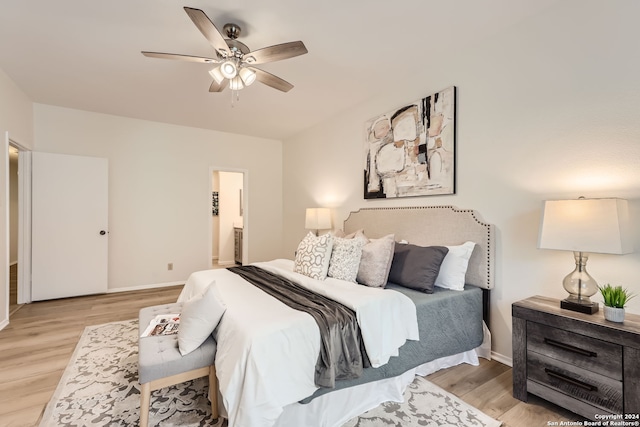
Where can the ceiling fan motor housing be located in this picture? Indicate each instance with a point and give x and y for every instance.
(233, 31)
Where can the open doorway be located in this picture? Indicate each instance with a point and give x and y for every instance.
(19, 225)
(227, 218)
(13, 229)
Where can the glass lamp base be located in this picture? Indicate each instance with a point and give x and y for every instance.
(580, 286)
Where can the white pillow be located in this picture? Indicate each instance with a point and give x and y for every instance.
(313, 256)
(454, 267)
(345, 258)
(200, 316)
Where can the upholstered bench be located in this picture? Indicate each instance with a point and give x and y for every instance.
(160, 363)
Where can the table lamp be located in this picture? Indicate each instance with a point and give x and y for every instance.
(317, 219)
(585, 226)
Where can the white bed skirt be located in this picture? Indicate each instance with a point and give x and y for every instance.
(336, 408)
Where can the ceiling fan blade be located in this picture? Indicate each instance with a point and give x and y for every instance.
(215, 87)
(271, 80)
(276, 53)
(209, 30)
(179, 57)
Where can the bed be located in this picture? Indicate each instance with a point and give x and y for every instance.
(267, 352)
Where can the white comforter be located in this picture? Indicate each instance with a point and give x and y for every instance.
(267, 351)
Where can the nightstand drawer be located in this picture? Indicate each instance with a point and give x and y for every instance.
(582, 384)
(589, 353)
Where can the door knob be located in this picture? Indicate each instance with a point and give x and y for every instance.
(102, 232)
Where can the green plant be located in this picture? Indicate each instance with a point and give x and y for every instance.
(615, 296)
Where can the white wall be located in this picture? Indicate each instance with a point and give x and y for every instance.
(16, 112)
(16, 121)
(159, 189)
(548, 109)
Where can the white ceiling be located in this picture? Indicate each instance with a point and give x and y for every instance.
(85, 54)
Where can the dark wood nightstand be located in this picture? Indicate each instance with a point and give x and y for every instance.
(581, 362)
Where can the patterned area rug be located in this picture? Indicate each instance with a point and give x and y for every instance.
(100, 388)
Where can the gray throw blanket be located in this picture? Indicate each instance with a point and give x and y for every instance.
(342, 353)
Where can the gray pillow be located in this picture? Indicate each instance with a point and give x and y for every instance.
(416, 267)
(375, 261)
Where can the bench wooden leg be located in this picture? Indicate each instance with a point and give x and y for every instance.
(213, 392)
(145, 400)
(146, 388)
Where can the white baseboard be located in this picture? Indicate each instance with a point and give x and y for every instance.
(4, 324)
(142, 287)
(502, 359)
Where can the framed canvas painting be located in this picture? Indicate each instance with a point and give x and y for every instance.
(410, 151)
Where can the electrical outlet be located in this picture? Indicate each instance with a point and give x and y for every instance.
(170, 266)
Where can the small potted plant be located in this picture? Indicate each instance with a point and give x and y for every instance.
(615, 298)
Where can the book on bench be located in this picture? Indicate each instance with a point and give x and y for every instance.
(162, 324)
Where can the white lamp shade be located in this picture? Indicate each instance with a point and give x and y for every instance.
(229, 69)
(217, 75)
(236, 83)
(248, 76)
(586, 225)
(317, 219)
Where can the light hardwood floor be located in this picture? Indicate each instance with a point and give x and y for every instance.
(37, 345)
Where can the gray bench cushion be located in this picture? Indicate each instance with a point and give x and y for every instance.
(159, 357)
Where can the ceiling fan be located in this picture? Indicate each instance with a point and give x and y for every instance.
(236, 61)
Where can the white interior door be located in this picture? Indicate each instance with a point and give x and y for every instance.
(69, 225)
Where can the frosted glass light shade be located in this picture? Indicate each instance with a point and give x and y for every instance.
(229, 69)
(317, 219)
(236, 83)
(247, 76)
(217, 75)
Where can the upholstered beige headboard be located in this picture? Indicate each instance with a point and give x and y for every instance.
(434, 225)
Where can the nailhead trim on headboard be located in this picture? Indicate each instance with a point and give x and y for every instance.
(446, 236)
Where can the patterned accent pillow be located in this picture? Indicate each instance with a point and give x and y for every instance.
(313, 256)
(345, 259)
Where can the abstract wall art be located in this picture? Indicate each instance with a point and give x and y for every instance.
(410, 151)
(215, 200)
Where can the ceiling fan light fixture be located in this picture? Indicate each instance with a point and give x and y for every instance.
(248, 76)
(233, 56)
(236, 83)
(217, 75)
(229, 69)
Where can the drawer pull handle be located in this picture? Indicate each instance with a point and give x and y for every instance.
(571, 348)
(570, 380)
